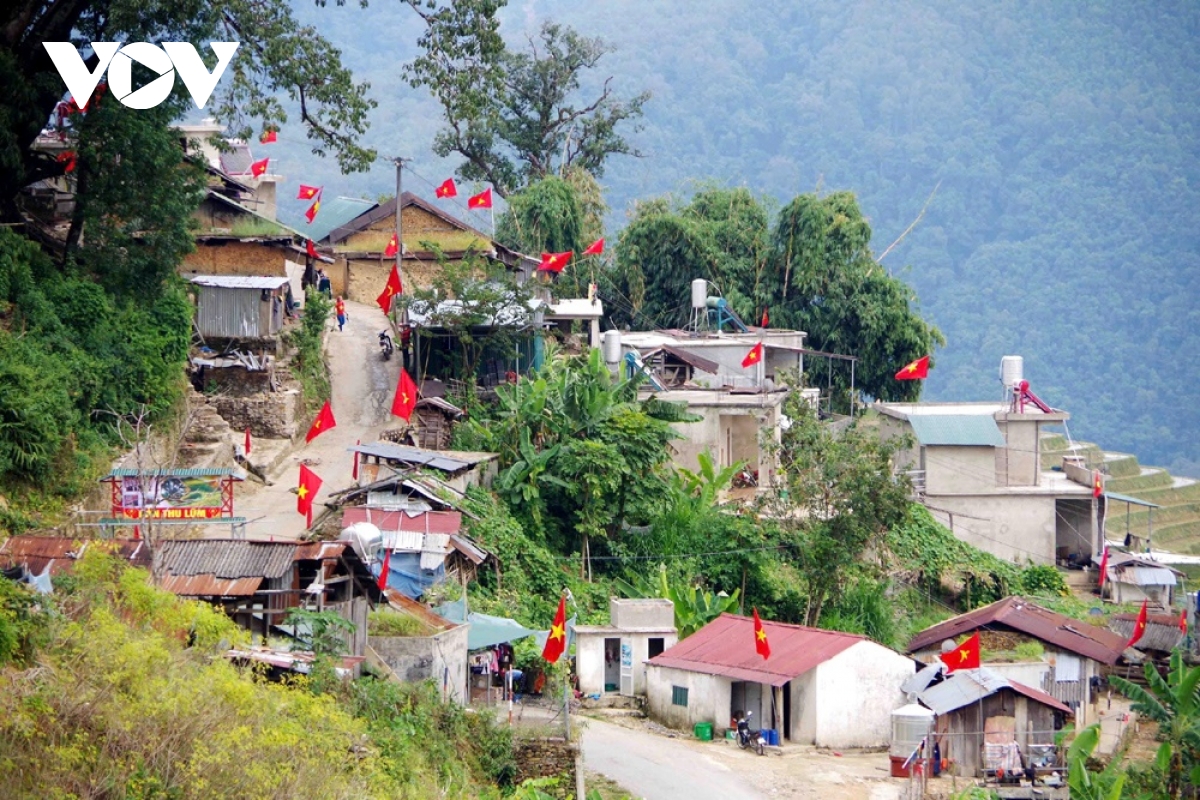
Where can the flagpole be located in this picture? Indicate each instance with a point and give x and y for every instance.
(399, 223)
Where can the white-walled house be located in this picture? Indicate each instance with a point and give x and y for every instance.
(818, 687)
(612, 658)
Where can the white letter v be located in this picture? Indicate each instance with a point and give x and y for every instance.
(80, 83)
(196, 76)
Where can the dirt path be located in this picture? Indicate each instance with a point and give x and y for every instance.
(363, 385)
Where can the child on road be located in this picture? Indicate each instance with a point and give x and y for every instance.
(339, 308)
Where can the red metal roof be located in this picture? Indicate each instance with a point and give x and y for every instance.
(1019, 614)
(209, 585)
(424, 522)
(60, 552)
(725, 646)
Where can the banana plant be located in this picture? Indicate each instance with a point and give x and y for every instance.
(694, 607)
(1084, 784)
(522, 482)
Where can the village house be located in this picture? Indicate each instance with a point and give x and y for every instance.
(1161, 636)
(437, 652)
(612, 658)
(30, 557)
(1133, 578)
(457, 469)
(987, 722)
(818, 687)
(1073, 652)
(977, 468)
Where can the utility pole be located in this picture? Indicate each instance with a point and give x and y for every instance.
(399, 221)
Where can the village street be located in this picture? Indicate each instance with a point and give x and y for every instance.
(363, 385)
(656, 767)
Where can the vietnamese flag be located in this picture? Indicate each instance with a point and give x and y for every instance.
(595, 248)
(481, 200)
(68, 157)
(754, 356)
(554, 262)
(447, 189)
(311, 214)
(322, 423)
(556, 641)
(268, 137)
(390, 290)
(965, 656)
(766, 318)
(354, 469)
(308, 192)
(915, 371)
(306, 492)
(1139, 627)
(247, 441)
(1183, 621)
(259, 168)
(385, 569)
(761, 645)
(406, 397)
(311, 249)
(1097, 484)
(393, 247)
(1104, 566)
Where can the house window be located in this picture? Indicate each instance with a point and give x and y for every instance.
(655, 646)
(679, 696)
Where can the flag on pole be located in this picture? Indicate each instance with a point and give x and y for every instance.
(247, 441)
(595, 248)
(311, 214)
(307, 192)
(447, 189)
(306, 492)
(259, 168)
(322, 423)
(1139, 627)
(393, 247)
(311, 249)
(392, 288)
(754, 356)
(1097, 484)
(915, 371)
(269, 137)
(69, 158)
(406, 397)
(766, 318)
(554, 262)
(556, 642)
(761, 645)
(354, 469)
(385, 569)
(965, 656)
(1183, 621)
(481, 200)
(1104, 567)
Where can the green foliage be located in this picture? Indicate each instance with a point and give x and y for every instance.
(383, 622)
(694, 607)
(327, 630)
(863, 608)
(309, 341)
(24, 622)
(549, 215)
(1085, 784)
(1043, 580)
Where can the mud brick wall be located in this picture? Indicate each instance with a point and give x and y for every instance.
(547, 758)
(234, 258)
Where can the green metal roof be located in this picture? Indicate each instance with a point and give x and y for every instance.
(1137, 501)
(970, 430)
(196, 472)
(334, 213)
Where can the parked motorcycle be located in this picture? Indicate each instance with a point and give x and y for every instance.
(385, 345)
(748, 739)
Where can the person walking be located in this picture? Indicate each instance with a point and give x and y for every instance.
(339, 308)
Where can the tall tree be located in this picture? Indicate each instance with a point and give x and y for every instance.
(515, 116)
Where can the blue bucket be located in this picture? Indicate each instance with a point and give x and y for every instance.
(772, 736)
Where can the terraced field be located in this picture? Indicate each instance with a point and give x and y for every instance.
(1176, 525)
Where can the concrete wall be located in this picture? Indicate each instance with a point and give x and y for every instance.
(650, 612)
(730, 434)
(589, 661)
(1074, 534)
(1019, 464)
(589, 656)
(856, 692)
(441, 658)
(959, 470)
(708, 698)
(1018, 528)
(805, 700)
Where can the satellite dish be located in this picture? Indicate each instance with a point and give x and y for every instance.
(949, 646)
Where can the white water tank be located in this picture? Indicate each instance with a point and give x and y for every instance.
(612, 347)
(699, 293)
(1012, 370)
(365, 538)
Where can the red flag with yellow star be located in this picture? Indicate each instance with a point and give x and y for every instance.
(1183, 621)
(406, 397)
(310, 484)
(481, 200)
(965, 656)
(384, 570)
(259, 168)
(393, 247)
(754, 356)
(595, 248)
(322, 423)
(761, 645)
(311, 214)
(269, 137)
(447, 189)
(392, 288)
(556, 642)
(308, 192)
(917, 370)
(554, 262)
(1097, 484)
(1139, 627)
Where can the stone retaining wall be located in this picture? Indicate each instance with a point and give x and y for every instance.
(547, 758)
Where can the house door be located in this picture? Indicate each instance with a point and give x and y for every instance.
(627, 667)
(612, 664)
(787, 710)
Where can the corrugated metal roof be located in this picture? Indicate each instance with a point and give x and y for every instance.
(956, 429)
(418, 610)
(1139, 575)
(209, 585)
(1162, 631)
(195, 472)
(413, 455)
(1021, 615)
(335, 212)
(967, 686)
(725, 647)
(240, 281)
(225, 558)
(424, 522)
(468, 548)
(60, 552)
(1125, 498)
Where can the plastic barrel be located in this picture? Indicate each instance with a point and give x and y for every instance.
(772, 737)
(703, 731)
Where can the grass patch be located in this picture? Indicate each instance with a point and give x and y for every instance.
(604, 787)
(308, 340)
(392, 623)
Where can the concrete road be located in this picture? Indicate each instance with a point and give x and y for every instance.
(658, 768)
(363, 387)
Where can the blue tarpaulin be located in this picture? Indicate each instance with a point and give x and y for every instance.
(406, 576)
(487, 630)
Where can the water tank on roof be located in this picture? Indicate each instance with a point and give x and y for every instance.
(611, 347)
(1012, 370)
(699, 293)
(365, 538)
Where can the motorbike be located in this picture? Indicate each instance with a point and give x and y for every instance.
(385, 345)
(748, 739)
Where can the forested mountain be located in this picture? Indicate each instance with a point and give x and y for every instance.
(1061, 137)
